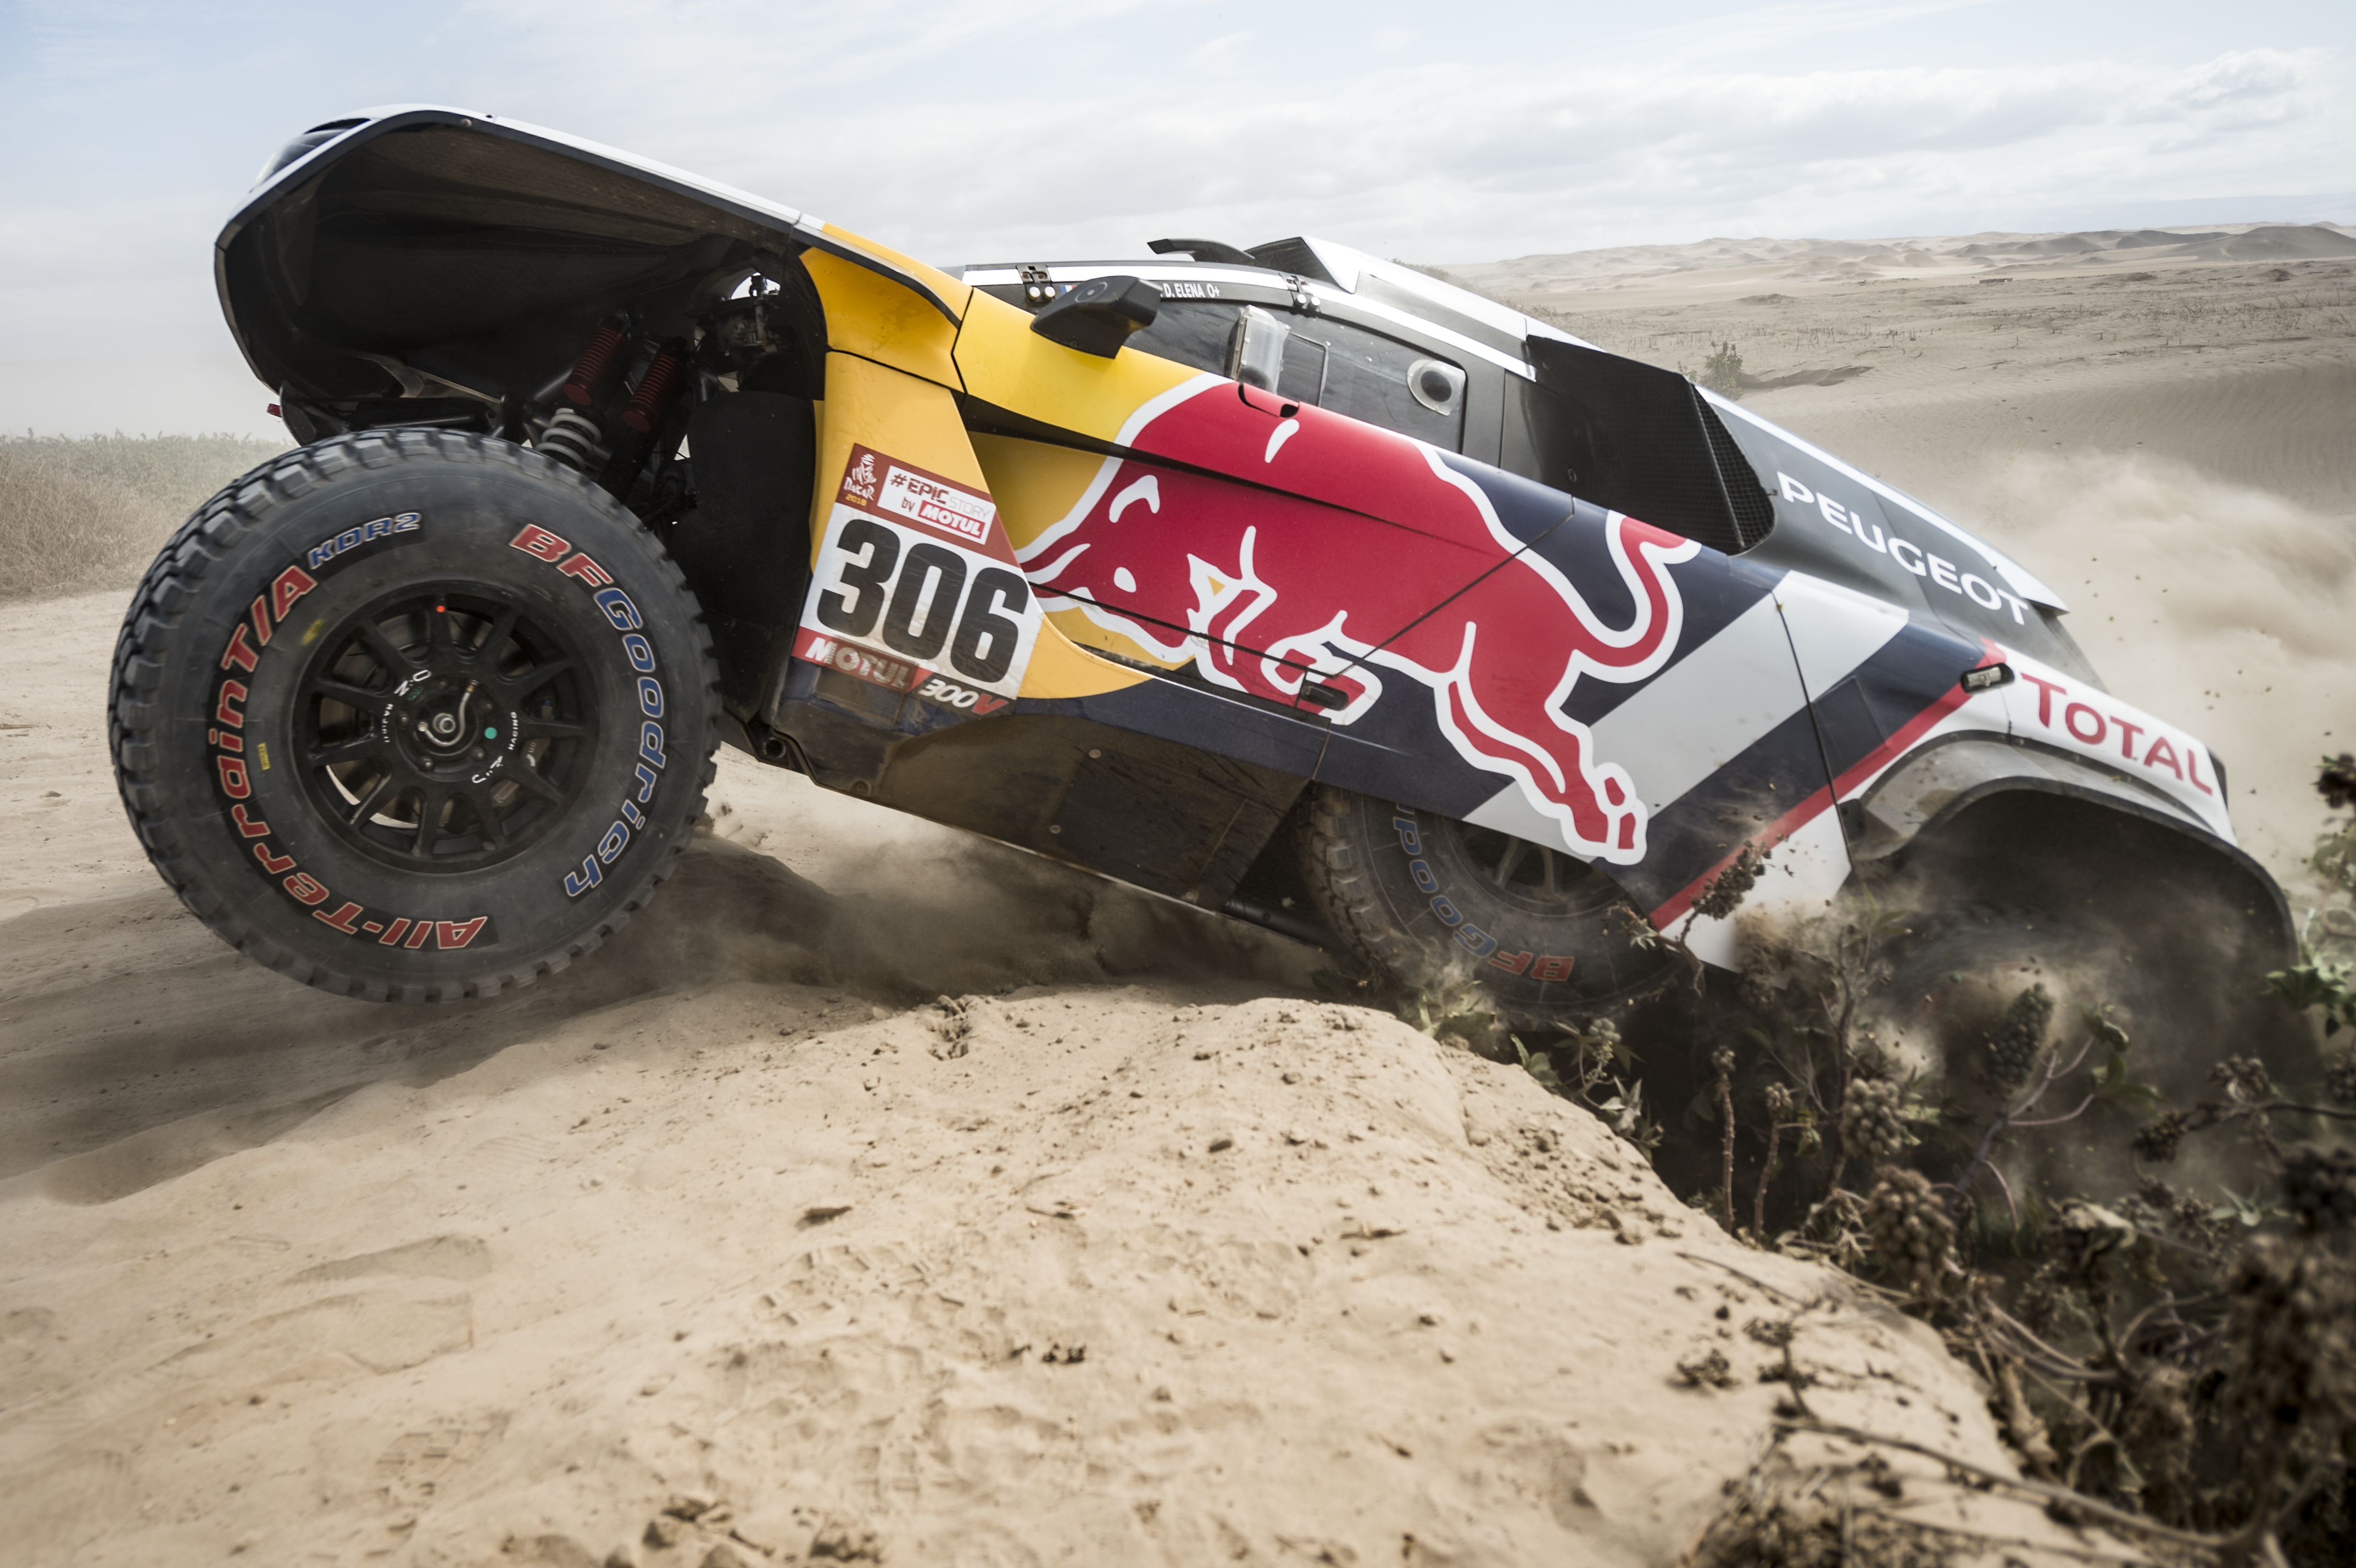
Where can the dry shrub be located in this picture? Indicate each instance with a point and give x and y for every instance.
(62, 534)
(1810, 1527)
(78, 516)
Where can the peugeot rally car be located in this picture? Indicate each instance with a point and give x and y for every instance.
(1288, 583)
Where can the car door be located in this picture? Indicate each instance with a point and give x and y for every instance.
(1254, 528)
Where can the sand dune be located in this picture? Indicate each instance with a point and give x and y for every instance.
(1725, 264)
(738, 1245)
(1134, 1252)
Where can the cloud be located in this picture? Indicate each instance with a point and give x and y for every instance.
(1224, 49)
(1757, 30)
(930, 128)
(1482, 159)
(1016, 129)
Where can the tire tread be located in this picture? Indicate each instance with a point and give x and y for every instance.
(160, 603)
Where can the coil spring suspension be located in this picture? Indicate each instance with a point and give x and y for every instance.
(655, 389)
(573, 437)
(596, 363)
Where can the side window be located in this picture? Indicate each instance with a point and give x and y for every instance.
(1376, 379)
(1303, 380)
(1332, 364)
(1192, 333)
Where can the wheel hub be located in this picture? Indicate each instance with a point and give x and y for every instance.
(446, 721)
(444, 729)
(1535, 878)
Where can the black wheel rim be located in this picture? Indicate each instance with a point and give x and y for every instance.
(445, 729)
(1531, 877)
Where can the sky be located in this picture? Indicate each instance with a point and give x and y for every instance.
(1003, 130)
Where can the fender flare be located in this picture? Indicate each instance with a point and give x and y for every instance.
(1996, 805)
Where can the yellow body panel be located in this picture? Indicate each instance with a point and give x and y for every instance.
(911, 418)
(1003, 362)
(1060, 668)
(870, 315)
(915, 420)
(1036, 486)
(956, 291)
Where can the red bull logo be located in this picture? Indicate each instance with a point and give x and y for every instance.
(1264, 589)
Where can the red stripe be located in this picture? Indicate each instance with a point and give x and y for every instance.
(1800, 816)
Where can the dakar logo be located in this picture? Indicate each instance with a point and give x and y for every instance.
(1262, 591)
(860, 482)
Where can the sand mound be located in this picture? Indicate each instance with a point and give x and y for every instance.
(1096, 1273)
(1717, 267)
(2286, 242)
(1133, 1252)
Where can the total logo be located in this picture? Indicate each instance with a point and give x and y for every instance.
(2092, 722)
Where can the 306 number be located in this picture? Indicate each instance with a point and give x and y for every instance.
(926, 596)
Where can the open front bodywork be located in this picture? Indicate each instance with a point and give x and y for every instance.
(1317, 518)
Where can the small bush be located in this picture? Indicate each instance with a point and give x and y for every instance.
(1723, 371)
(2162, 1296)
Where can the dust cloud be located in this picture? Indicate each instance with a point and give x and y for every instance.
(2228, 608)
(917, 910)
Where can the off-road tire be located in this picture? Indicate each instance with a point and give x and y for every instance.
(490, 614)
(1417, 895)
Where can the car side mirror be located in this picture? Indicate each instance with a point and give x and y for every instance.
(1256, 348)
(1097, 317)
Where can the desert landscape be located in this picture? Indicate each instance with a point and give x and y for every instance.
(882, 1195)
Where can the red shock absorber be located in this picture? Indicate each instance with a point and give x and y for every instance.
(596, 363)
(655, 388)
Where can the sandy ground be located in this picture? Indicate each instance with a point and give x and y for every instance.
(1134, 1252)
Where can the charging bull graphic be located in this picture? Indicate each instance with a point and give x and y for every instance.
(1374, 556)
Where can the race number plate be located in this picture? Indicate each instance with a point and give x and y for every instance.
(915, 590)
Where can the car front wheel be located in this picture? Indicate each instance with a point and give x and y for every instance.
(413, 714)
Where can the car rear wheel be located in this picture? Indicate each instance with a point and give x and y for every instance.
(1432, 899)
(413, 714)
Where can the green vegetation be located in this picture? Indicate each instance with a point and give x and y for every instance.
(1723, 371)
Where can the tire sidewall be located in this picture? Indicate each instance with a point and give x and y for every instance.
(1454, 923)
(569, 556)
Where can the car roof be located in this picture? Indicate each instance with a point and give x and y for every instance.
(1389, 292)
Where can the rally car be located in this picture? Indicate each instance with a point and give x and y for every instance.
(1285, 581)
